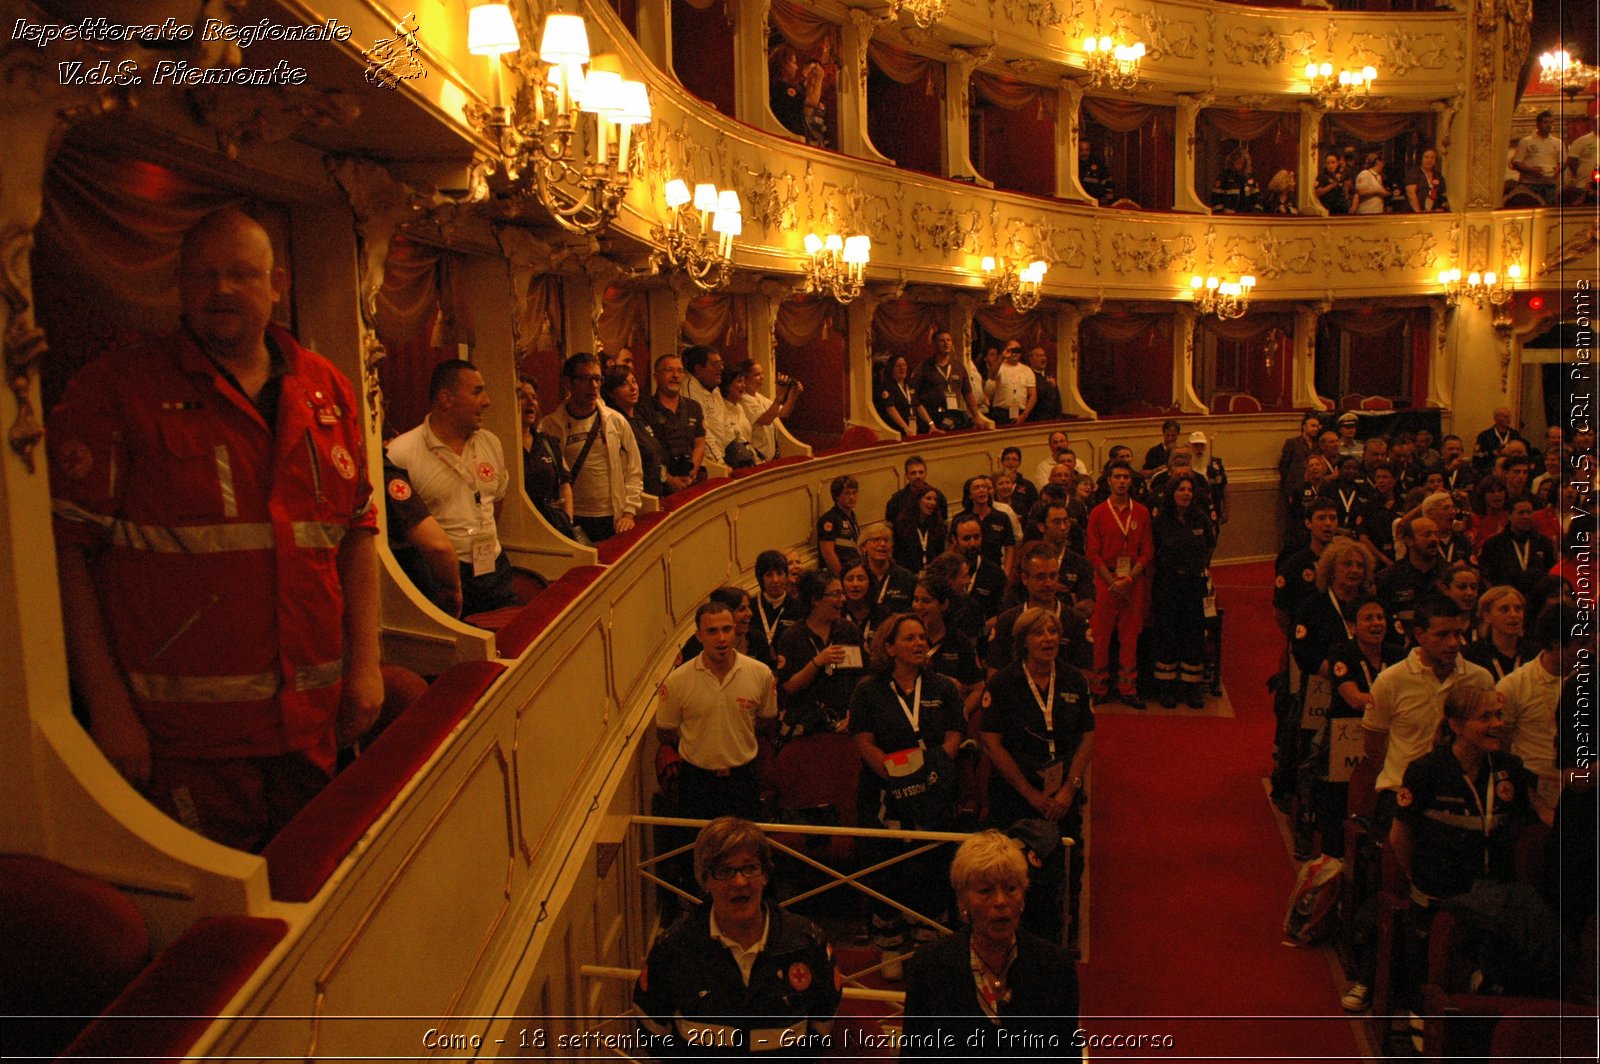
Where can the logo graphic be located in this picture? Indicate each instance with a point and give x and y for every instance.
(399, 490)
(343, 462)
(392, 60)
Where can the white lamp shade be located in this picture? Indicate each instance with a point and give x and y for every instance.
(728, 202)
(633, 104)
(727, 223)
(491, 31)
(988, 264)
(565, 40)
(1369, 73)
(834, 242)
(677, 193)
(1248, 281)
(1212, 283)
(1514, 271)
(857, 249)
(813, 243)
(1196, 283)
(705, 196)
(601, 89)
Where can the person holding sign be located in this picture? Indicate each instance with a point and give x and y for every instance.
(1038, 732)
(907, 722)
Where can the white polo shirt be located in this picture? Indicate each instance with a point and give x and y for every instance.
(1011, 385)
(716, 721)
(1532, 692)
(460, 489)
(1408, 704)
(1544, 153)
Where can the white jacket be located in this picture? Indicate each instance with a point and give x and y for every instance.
(625, 470)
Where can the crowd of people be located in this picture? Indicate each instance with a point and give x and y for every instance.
(1429, 593)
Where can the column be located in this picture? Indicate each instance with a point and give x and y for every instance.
(1183, 192)
(1069, 317)
(750, 66)
(1310, 159)
(1302, 364)
(858, 367)
(853, 138)
(958, 103)
(1183, 339)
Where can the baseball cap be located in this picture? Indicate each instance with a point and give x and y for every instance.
(1197, 437)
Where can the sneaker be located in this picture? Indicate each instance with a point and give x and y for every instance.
(1133, 701)
(1197, 697)
(1357, 998)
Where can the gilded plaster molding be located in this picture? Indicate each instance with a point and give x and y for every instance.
(25, 342)
(266, 115)
(1477, 256)
(1358, 254)
(1511, 243)
(944, 229)
(1151, 254)
(1483, 62)
(1569, 250)
(1040, 14)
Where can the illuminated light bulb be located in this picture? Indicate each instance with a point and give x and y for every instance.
(988, 264)
(1311, 72)
(1368, 74)
(1474, 278)
(1105, 44)
(1490, 278)
(1326, 69)
(1514, 272)
(1212, 283)
(1196, 282)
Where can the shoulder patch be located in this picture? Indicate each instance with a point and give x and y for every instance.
(827, 526)
(1340, 669)
(1403, 798)
(1309, 576)
(1504, 791)
(988, 699)
(1299, 631)
(343, 462)
(485, 472)
(800, 976)
(399, 490)
(1280, 581)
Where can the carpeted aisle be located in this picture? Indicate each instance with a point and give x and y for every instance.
(1189, 875)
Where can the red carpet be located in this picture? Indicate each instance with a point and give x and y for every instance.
(1189, 876)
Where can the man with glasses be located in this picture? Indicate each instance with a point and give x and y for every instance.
(710, 709)
(737, 977)
(1015, 388)
(600, 452)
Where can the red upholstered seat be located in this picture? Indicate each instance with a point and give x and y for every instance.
(1377, 402)
(857, 436)
(1244, 404)
(302, 856)
(815, 772)
(1351, 401)
(162, 1012)
(69, 944)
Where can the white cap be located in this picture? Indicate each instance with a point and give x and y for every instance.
(1197, 437)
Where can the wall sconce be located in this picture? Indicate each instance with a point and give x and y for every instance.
(923, 12)
(1226, 299)
(581, 168)
(1348, 90)
(1021, 285)
(837, 265)
(698, 237)
(1482, 288)
(1562, 71)
(1112, 65)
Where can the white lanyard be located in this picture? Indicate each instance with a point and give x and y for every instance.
(1366, 670)
(913, 712)
(1349, 500)
(1349, 629)
(905, 392)
(1522, 554)
(761, 611)
(1485, 813)
(883, 588)
(1046, 705)
(922, 541)
(1125, 526)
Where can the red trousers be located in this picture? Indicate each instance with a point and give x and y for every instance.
(1125, 617)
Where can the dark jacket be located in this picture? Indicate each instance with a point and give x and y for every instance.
(941, 999)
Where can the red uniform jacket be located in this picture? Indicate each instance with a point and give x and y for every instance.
(1105, 542)
(212, 540)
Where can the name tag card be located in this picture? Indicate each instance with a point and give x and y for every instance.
(1314, 709)
(1346, 748)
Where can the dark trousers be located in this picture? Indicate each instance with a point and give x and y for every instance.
(491, 591)
(1178, 616)
(704, 794)
(596, 528)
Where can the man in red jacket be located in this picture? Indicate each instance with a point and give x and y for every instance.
(1120, 548)
(215, 531)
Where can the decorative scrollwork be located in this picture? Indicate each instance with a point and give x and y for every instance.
(772, 201)
(1382, 254)
(945, 229)
(1151, 253)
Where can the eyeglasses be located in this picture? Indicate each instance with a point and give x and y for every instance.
(726, 873)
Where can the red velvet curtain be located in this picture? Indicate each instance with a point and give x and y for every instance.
(423, 315)
(1249, 356)
(541, 335)
(1014, 133)
(1125, 363)
(1374, 352)
(813, 38)
(702, 52)
(1136, 141)
(904, 327)
(905, 112)
(718, 319)
(1400, 136)
(809, 345)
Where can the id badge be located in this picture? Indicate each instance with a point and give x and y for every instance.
(1124, 565)
(1210, 606)
(950, 403)
(483, 555)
